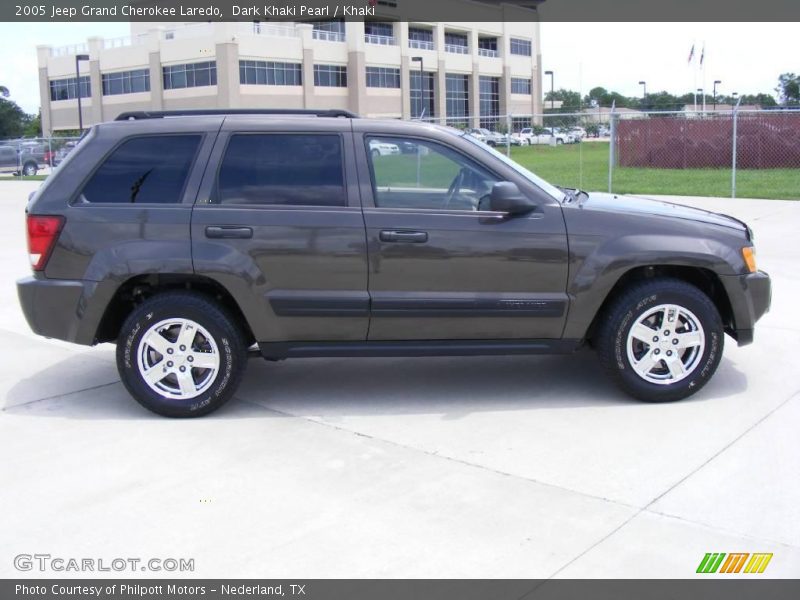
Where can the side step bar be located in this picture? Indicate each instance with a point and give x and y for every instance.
(283, 350)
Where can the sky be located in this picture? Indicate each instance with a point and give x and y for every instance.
(746, 57)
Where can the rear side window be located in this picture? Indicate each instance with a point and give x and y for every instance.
(283, 169)
(144, 170)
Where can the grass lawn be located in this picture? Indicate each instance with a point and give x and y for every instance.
(24, 178)
(586, 166)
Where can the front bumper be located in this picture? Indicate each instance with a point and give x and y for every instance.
(750, 297)
(64, 309)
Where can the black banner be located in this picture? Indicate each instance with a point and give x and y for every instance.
(403, 10)
(752, 588)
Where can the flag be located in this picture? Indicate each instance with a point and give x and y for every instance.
(702, 55)
(691, 54)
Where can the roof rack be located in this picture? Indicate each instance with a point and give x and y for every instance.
(160, 114)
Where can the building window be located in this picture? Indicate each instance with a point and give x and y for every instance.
(144, 170)
(190, 75)
(379, 33)
(487, 46)
(67, 89)
(329, 31)
(489, 101)
(457, 99)
(258, 72)
(421, 39)
(456, 43)
(126, 82)
(520, 85)
(330, 76)
(520, 123)
(374, 28)
(520, 47)
(421, 95)
(283, 169)
(383, 77)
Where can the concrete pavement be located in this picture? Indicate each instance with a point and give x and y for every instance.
(529, 467)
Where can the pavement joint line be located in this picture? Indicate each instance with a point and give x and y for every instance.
(672, 487)
(89, 389)
(792, 396)
(723, 530)
(444, 456)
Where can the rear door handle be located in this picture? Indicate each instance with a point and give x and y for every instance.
(222, 231)
(409, 237)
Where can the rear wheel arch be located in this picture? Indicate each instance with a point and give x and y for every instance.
(142, 287)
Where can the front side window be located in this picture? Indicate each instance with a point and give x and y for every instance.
(144, 170)
(288, 169)
(411, 173)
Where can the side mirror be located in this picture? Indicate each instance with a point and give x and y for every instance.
(506, 197)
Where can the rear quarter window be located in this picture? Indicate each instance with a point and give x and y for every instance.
(144, 170)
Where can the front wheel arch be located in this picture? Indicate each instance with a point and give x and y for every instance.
(706, 280)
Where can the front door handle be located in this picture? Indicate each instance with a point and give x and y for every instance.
(222, 231)
(409, 237)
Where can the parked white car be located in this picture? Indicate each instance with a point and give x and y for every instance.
(487, 137)
(544, 137)
(377, 148)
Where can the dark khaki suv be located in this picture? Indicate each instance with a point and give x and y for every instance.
(196, 239)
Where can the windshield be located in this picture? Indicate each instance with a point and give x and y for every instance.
(535, 179)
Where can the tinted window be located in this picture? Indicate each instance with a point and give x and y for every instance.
(286, 169)
(144, 170)
(410, 173)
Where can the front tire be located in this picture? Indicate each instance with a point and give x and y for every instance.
(179, 354)
(661, 340)
(29, 170)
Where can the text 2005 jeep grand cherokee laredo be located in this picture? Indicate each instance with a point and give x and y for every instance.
(187, 238)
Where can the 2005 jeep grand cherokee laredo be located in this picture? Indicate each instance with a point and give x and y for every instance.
(192, 238)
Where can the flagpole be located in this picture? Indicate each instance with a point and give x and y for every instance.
(693, 65)
(703, 75)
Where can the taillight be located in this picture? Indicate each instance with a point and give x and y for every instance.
(42, 235)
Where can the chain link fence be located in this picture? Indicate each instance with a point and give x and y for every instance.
(33, 158)
(731, 153)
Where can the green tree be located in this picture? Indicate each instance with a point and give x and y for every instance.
(34, 126)
(13, 119)
(604, 97)
(661, 101)
(789, 89)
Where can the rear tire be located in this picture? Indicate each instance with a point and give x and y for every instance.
(30, 169)
(661, 340)
(179, 354)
